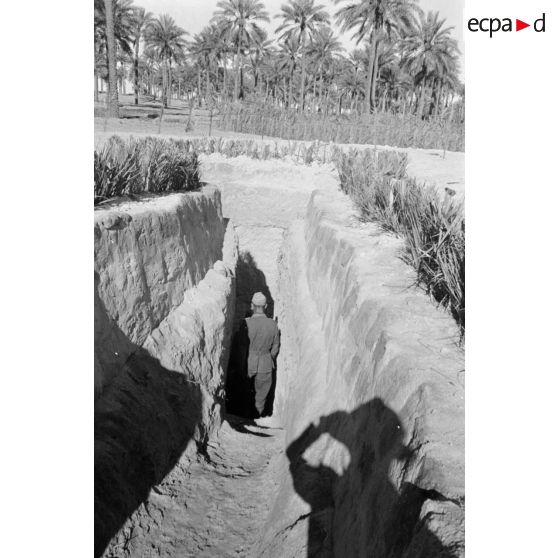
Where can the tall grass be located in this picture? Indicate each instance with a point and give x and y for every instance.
(376, 180)
(143, 165)
(389, 162)
(433, 228)
(381, 128)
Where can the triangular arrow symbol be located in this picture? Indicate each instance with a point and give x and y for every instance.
(519, 25)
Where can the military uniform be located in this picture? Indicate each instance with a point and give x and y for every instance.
(261, 335)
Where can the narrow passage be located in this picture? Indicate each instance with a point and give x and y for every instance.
(214, 506)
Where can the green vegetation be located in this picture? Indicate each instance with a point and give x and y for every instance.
(376, 180)
(433, 228)
(138, 166)
(403, 70)
(389, 163)
(381, 128)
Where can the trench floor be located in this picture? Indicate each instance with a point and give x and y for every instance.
(213, 506)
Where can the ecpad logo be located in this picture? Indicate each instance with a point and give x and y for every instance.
(494, 24)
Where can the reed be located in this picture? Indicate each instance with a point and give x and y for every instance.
(381, 128)
(376, 180)
(137, 166)
(433, 227)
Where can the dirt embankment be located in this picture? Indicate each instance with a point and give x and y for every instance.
(164, 305)
(369, 391)
(369, 378)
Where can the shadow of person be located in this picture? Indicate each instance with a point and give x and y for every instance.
(239, 387)
(144, 419)
(240, 425)
(250, 279)
(143, 423)
(359, 511)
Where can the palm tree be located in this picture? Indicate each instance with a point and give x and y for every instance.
(141, 21)
(238, 23)
(166, 40)
(429, 52)
(221, 51)
(122, 60)
(287, 59)
(323, 47)
(352, 83)
(375, 20)
(120, 15)
(100, 61)
(301, 19)
(204, 50)
(258, 53)
(149, 60)
(112, 96)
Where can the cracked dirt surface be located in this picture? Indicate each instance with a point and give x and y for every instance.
(212, 505)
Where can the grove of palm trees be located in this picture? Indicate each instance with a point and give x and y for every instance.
(279, 255)
(402, 74)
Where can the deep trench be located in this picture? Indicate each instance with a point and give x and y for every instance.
(156, 493)
(165, 487)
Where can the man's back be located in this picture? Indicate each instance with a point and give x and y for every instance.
(263, 335)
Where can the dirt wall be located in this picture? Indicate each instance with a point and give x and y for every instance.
(370, 390)
(262, 198)
(147, 254)
(164, 307)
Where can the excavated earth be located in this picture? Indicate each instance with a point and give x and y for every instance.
(363, 455)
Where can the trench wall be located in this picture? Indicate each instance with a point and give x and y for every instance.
(262, 199)
(164, 306)
(370, 390)
(147, 255)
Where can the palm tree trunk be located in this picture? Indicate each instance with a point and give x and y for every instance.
(224, 77)
(420, 108)
(112, 96)
(169, 83)
(96, 87)
(291, 87)
(303, 76)
(384, 97)
(237, 70)
(136, 72)
(321, 89)
(452, 105)
(368, 92)
(165, 77)
(314, 90)
(438, 97)
(374, 75)
(199, 87)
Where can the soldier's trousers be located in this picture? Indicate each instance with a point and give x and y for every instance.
(262, 384)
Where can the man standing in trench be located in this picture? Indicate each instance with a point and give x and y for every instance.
(261, 334)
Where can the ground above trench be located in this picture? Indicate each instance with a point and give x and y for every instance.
(217, 502)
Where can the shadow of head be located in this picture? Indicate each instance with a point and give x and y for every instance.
(372, 428)
(370, 507)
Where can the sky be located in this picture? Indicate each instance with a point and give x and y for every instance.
(194, 15)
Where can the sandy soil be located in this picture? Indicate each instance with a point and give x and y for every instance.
(431, 166)
(217, 504)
